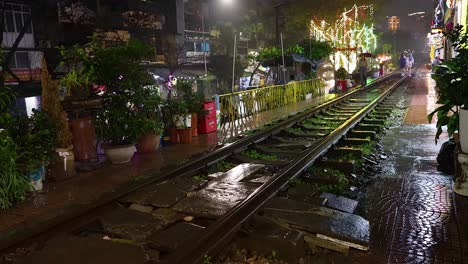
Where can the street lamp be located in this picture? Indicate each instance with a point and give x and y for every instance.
(227, 2)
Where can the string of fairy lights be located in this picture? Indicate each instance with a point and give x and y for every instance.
(350, 35)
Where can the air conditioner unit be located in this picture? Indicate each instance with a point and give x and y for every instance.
(45, 44)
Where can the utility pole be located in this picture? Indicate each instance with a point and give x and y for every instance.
(234, 62)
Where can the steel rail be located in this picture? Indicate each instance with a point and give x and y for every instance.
(217, 235)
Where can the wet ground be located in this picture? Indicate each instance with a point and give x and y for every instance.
(415, 216)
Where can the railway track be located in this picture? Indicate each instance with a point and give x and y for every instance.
(198, 208)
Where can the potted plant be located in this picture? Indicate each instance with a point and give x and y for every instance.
(182, 117)
(62, 165)
(148, 119)
(194, 102)
(341, 75)
(81, 98)
(35, 138)
(452, 82)
(119, 69)
(171, 106)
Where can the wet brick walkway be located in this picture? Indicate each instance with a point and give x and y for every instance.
(414, 214)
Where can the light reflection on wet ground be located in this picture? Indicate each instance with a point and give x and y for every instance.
(414, 214)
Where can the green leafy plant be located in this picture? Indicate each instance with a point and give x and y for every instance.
(13, 185)
(253, 154)
(221, 166)
(316, 50)
(269, 53)
(207, 260)
(294, 130)
(200, 178)
(119, 69)
(341, 184)
(35, 138)
(79, 62)
(452, 81)
(148, 117)
(342, 74)
(296, 49)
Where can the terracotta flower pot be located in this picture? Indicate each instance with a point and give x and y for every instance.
(84, 139)
(148, 143)
(185, 135)
(119, 154)
(194, 125)
(62, 164)
(174, 135)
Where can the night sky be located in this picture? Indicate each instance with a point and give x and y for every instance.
(413, 32)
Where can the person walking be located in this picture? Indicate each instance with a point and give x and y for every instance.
(409, 65)
(363, 71)
(411, 60)
(402, 61)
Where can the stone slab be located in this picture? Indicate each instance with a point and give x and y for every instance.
(160, 195)
(258, 179)
(315, 241)
(340, 203)
(171, 238)
(239, 172)
(79, 250)
(307, 193)
(268, 237)
(129, 224)
(347, 229)
(165, 216)
(216, 199)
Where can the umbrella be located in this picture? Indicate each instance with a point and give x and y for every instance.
(367, 55)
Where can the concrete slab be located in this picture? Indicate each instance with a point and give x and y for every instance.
(343, 228)
(216, 199)
(129, 224)
(240, 172)
(268, 237)
(170, 239)
(160, 195)
(165, 216)
(339, 203)
(79, 250)
(258, 179)
(313, 241)
(307, 193)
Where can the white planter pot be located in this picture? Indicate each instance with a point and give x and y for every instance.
(183, 121)
(120, 154)
(464, 130)
(461, 184)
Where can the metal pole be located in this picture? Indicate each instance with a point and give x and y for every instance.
(204, 44)
(234, 62)
(282, 54)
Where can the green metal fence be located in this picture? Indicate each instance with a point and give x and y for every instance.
(236, 108)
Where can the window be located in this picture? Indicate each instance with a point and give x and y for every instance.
(189, 46)
(16, 16)
(202, 47)
(22, 60)
(19, 60)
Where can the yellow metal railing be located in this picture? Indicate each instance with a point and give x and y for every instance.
(235, 107)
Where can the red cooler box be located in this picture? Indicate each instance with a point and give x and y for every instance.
(208, 123)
